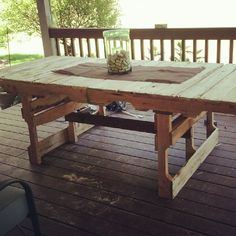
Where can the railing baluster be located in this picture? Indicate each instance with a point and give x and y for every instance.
(81, 50)
(172, 50)
(132, 49)
(206, 50)
(142, 49)
(57, 40)
(162, 49)
(88, 47)
(151, 50)
(97, 48)
(72, 40)
(194, 50)
(104, 48)
(65, 46)
(218, 51)
(231, 50)
(183, 50)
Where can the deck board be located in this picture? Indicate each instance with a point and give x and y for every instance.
(106, 183)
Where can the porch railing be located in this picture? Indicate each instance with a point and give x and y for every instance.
(179, 44)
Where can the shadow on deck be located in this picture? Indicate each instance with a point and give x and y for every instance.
(106, 183)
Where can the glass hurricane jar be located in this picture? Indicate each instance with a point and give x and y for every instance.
(117, 47)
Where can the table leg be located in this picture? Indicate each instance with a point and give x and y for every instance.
(102, 110)
(71, 132)
(39, 111)
(167, 133)
(33, 152)
(190, 148)
(164, 126)
(210, 126)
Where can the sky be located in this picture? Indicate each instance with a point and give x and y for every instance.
(178, 13)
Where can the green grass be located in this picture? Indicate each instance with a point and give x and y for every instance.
(18, 58)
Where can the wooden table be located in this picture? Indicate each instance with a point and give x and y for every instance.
(47, 96)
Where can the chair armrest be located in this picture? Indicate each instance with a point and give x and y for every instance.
(9, 182)
(30, 201)
(27, 189)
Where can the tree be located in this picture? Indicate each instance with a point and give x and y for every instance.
(21, 15)
(3, 37)
(81, 13)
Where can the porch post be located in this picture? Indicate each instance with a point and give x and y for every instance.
(45, 20)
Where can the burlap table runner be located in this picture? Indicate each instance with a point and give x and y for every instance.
(166, 74)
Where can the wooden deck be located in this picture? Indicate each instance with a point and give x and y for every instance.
(106, 184)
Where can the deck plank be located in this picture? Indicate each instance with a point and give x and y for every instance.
(106, 183)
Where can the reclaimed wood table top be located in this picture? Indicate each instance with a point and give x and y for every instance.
(213, 89)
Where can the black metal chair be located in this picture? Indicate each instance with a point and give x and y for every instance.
(15, 205)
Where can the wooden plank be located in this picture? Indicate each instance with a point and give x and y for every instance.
(14, 136)
(115, 122)
(72, 41)
(66, 52)
(183, 50)
(88, 47)
(227, 85)
(162, 50)
(174, 105)
(180, 179)
(15, 129)
(151, 50)
(194, 50)
(182, 124)
(203, 86)
(57, 42)
(190, 147)
(81, 50)
(97, 48)
(25, 66)
(71, 132)
(55, 113)
(55, 140)
(81, 128)
(34, 155)
(152, 33)
(40, 104)
(189, 84)
(132, 49)
(163, 140)
(20, 125)
(142, 49)
(51, 227)
(206, 51)
(24, 71)
(218, 51)
(78, 94)
(21, 144)
(172, 50)
(231, 50)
